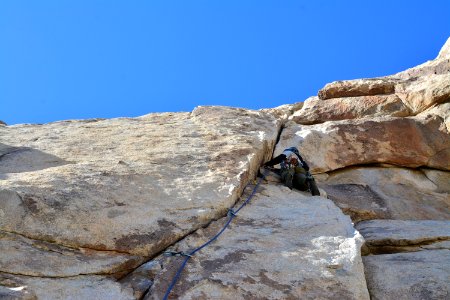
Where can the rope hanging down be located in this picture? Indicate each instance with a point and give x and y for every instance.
(231, 215)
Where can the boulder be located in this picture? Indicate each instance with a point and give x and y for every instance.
(382, 96)
(18, 256)
(73, 288)
(367, 193)
(423, 92)
(141, 279)
(388, 236)
(101, 196)
(418, 88)
(318, 111)
(422, 273)
(358, 87)
(410, 142)
(441, 110)
(283, 112)
(440, 178)
(412, 276)
(284, 245)
(358, 201)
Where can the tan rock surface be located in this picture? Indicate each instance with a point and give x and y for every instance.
(283, 112)
(141, 279)
(418, 88)
(358, 87)
(284, 245)
(130, 185)
(19, 255)
(318, 111)
(422, 92)
(402, 235)
(389, 193)
(74, 288)
(440, 178)
(441, 110)
(409, 276)
(410, 142)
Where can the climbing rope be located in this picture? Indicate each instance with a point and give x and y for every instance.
(231, 215)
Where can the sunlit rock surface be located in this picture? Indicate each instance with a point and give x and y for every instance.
(73, 288)
(414, 275)
(284, 245)
(421, 93)
(367, 193)
(358, 87)
(409, 142)
(318, 111)
(388, 236)
(100, 196)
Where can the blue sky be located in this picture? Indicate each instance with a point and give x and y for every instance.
(81, 59)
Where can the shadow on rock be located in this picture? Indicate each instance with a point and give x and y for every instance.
(26, 159)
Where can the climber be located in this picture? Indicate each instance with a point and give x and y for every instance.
(294, 170)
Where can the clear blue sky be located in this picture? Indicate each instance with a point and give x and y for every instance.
(81, 59)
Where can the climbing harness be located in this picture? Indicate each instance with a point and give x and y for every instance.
(310, 181)
(231, 214)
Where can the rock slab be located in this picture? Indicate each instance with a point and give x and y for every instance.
(367, 193)
(409, 142)
(401, 235)
(284, 245)
(409, 276)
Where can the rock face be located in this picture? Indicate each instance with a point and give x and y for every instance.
(18, 256)
(87, 207)
(73, 288)
(388, 236)
(407, 93)
(130, 185)
(317, 111)
(417, 93)
(415, 275)
(264, 256)
(424, 271)
(390, 193)
(441, 110)
(358, 87)
(409, 142)
(381, 147)
(421, 93)
(100, 197)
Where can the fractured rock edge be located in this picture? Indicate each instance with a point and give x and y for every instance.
(389, 192)
(251, 171)
(227, 171)
(138, 280)
(56, 261)
(394, 236)
(77, 287)
(224, 251)
(413, 275)
(257, 159)
(157, 261)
